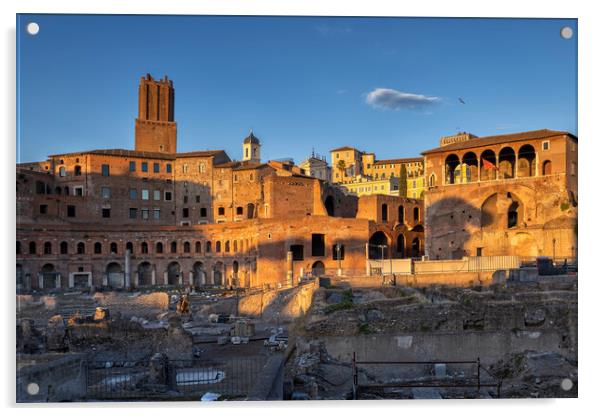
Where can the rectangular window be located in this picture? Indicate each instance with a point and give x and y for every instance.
(168, 168)
(71, 210)
(106, 212)
(318, 247)
(156, 168)
(105, 192)
(144, 166)
(297, 250)
(133, 213)
(145, 194)
(157, 214)
(198, 199)
(79, 191)
(43, 209)
(184, 168)
(157, 195)
(203, 212)
(545, 145)
(221, 211)
(145, 213)
(132, 166)
(185, 199)
(133, 193)
(105, 170)
(168, 196)
(185, 212)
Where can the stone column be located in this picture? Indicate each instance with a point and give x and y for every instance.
(71, 280)
(367, 259)
(190, 278)
(165, 279)
(105, 279)
(153, 277)
(128, 284)
(497, 165)
(136, 279)
(58, 280)
(289, 268)
(479, 170)
(40, 280)
(180, 278)
(90, 280)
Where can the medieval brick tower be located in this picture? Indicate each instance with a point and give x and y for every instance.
(155, 125)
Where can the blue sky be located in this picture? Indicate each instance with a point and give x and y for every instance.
(387, 85)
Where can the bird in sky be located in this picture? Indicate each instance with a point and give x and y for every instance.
(461, 101)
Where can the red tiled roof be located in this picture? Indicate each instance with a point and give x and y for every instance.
(499, 139)
(136, 153)
(396, 161)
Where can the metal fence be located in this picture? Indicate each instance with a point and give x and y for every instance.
(145, 380)
(473, 376)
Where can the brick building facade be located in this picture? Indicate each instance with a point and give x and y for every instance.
(123, 218)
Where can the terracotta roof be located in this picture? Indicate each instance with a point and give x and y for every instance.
(241, 165)
(344, 148)
(136, 153)
(394, 161)
(504, 138)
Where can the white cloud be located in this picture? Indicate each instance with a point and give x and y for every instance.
(391, 99)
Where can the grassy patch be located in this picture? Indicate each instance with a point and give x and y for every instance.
(365, 329)
(345, 303)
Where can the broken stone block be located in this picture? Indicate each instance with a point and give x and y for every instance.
(535, 317)
(158, 369)
(440, 370)
(374, 315)
(56, 334)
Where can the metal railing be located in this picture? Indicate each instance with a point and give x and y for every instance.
(144, 380)
(474, 381)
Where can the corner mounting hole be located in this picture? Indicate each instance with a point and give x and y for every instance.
(566, 32)
(33, 28)
(33, 389)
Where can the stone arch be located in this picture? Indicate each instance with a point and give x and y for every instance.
(470, 167)
(198, 272)
(218, 274)
(507, 162)
(526, 161)
(145, 274)
(416, 247)
(115, 275)
(488, 165)
(376, 243)
(159, 247)
(400, 247)
(318, 269)
(546, 167)
(49, 276)
(452, 162)
(173, 273)
(329, 205)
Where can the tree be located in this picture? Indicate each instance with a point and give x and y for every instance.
(341, 165)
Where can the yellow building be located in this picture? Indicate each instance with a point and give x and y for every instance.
(346, 164)
(367, 186)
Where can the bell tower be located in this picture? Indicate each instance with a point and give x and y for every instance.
(155, 125)
(251, 148)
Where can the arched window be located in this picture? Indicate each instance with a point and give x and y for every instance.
(113, 248)
(58, 190)
(186, 247)
(401, 214)
(227, 246)
(47, 247)
(526, 161)
(470, 169)
(144, 248)
(452, 173)
(416, 214)
(159, 248)
(62, 171)
(507, 162)
(129, 246)
(235, 248)
(197, 247)
(174, 247)
(64, 247)
(81, 248)
(77, 171)
(97, 248)
(66, 190)
(32, 247)
(208, 247)
(384, 209)
(401, 246)
(488, 165)
(546, 168)
(432, 180)
(218, 246)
